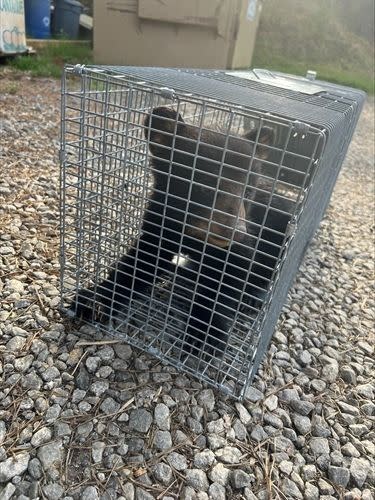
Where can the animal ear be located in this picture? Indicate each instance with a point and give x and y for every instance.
(266, 138)
(161, 122)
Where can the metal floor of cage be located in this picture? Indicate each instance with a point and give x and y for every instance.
(155, 325)
(149, 173)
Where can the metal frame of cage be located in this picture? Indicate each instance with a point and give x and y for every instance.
(105, 188)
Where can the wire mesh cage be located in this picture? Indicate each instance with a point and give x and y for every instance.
(188, 198)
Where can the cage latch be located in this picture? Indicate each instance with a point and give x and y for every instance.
(300, 129)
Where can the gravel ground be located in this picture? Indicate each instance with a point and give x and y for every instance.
(89, 421)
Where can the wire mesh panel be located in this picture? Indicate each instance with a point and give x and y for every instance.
(188, 199)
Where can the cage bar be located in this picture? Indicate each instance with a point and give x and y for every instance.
(188, 198)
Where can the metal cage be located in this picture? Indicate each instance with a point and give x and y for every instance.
(188, 198)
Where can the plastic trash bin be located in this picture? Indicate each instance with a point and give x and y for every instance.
(66, 18)
(38, 18)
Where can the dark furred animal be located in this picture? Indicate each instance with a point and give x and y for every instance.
(197, 208)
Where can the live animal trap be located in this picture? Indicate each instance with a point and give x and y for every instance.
(188, 198)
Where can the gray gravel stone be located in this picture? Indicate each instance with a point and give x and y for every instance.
(339, 475)
(24, 363)
(188, 493)
(319, 446)
(162, 440)
(194, 426)
(273, 420)
(216, 426)
(288, 395)
(51, 454)
(216, 492)
(240, 479)
(3, 431)
(365, 390)
(215, 442)
(350, 450)
(244, 415)
(197, 412)
(204, 459)
(14, 466)
(41, 436)
(286, 467)
(90, 493)
(162, 417)
(16, 344)
(290, 489)
(78, 395)
(325, 488)
(311, 492)
(358, 430)
(83, 379)
(140, 420)
(110, 406)
(271, 402)
(219, 474)
(239, 430)
(162, 473)
(50, 374)
(7, 492)
(302, 424)
(359, 469)
(309, 472)
(323, 462)
(348, 375)
(253, 395)
(123, 351)
(197, 479)
(106, 354)
(318, 385)
(62, 429)
(92, 363)
(35, 468)
(177, 461)
(84, 430)
(302, 407)
(304, 358)
(97, 450)
(258, 434)
(32, 381)
(283, 444)
(128, 490)
(206, 399)
(229, 455)
(22, 497)
(248, 494)
(99, 387)
(346, 408)
(181, 438)
(14, 285)
(53, 491)
(319, 427)
(368, 408)
(141, 494)
(330, 371)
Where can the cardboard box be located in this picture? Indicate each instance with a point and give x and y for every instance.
(12, 27)
(176, 33)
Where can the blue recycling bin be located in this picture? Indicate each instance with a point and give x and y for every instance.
(66, 18)
(38, 18)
